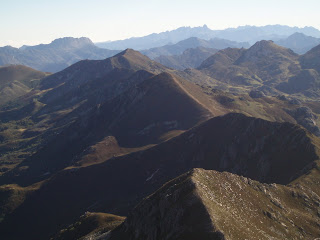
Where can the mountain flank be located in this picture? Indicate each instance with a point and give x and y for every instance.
(261, 150)
(214, 205)
(17, 80)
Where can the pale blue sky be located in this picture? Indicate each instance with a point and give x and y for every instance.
(32, 22)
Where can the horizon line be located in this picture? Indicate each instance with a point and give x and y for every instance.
(201, 26)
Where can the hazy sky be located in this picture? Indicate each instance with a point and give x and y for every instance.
(32, 22)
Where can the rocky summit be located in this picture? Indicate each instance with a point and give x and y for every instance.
(210, 205)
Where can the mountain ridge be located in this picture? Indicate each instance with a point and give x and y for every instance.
(196, 148)
(247, 33)
(217, 200)
(55, 56)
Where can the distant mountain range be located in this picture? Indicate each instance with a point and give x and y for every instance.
(249, 34)
(55, 56)
(63, 52)
(192, 42)
(199, 49)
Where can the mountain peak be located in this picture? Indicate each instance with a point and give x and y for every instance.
(128, 51)
(264, 44)
(311, 59)
(71, 42)
(264, 48)
(297, 34)
(206, 204)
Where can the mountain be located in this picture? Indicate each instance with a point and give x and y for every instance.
(203, 204)
(249, 34)
(17, 80)
(55, 56)
(144, 115)
(311, 60)
(190, 58)
(299, 42)
(261, 150)
(253, 34)
(180, 47)
(263, 63)
(59, 99)
(266, 67)
(102, 135)
(159, 39)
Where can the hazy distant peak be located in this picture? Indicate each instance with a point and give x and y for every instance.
(299, 42)
(297, 34)
(71, 42)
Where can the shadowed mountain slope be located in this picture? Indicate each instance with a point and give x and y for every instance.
(145, 114)
(262, 150)
(311, 60)
(88, 70)
(210, 205)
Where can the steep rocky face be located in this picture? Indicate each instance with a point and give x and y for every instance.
(211, 205)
